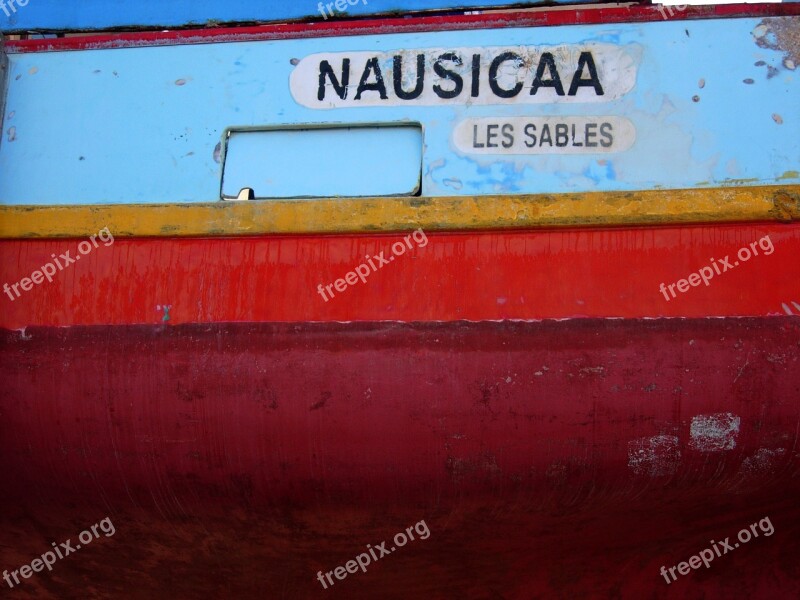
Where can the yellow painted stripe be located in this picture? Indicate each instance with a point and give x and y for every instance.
(341, 215)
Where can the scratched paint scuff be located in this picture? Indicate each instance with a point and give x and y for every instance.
(654, 456)
(714, 433)
(764, 461)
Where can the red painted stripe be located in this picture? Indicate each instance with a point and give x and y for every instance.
(546, 18)
(474, 276)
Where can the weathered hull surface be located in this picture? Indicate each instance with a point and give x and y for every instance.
(538, 374)
(550, 458)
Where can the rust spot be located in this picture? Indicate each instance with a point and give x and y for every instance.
(180, 82)
(295, 61)
(217, 152)
(748, 81)
(33, 70)
(701, 84)
(777, 118)
(12, 134)
(787, 206)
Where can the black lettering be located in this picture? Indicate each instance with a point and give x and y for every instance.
(575, 143)
(605, 130)
(398, 78)
(590, 135)
(508, 133)
(546, 135)
(372, 66)
(495, 66)
(475, 143)
(585, 59)
(476, 75)
(562, 135)
(530, 134)
(491, 134)
(325, 70)
(547, 61)
(448, 74)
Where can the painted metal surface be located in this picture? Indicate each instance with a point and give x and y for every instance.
(79, 15)
(536, 452)
(516, 389)
(526, 275)
(146, 122)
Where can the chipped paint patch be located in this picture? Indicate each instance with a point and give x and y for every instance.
(714, 433)
(781, 34)
(478, 467)
(655, 456)
(762, 462)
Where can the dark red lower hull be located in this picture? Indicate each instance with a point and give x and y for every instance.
(549, 459)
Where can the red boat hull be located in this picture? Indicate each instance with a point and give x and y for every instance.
(305, 442)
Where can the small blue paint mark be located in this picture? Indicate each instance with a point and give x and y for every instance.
(165, 308)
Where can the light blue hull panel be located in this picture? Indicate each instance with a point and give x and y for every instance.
(525, 110)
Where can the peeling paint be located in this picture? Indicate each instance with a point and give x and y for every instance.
(654, 456)
(781, 34)
(714, 433)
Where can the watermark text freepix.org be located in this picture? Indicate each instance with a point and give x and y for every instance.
(706, 274)
(64, 260)
(378, 261)
(340, 5)
(10, 6)
(63, 550)
(719, 548)
(363, 560)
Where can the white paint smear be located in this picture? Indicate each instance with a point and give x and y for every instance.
(714, 433)
(655, 456)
